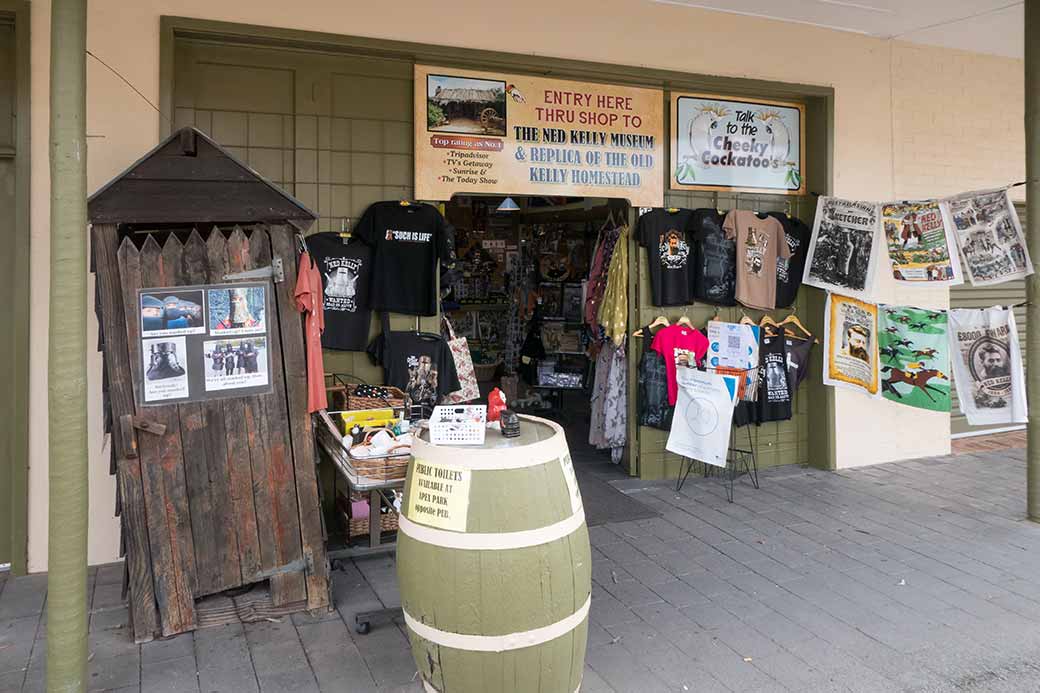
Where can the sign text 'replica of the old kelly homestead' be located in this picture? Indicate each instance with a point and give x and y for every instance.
(721, 143)
(481, 132)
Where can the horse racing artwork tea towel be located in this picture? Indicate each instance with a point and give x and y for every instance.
(987, 364)
(914, 351)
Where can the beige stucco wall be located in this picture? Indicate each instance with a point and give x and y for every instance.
(908, 121)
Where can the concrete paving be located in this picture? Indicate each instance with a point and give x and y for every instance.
(913, 576)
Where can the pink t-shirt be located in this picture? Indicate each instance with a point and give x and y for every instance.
(310, 302)
(675, 344)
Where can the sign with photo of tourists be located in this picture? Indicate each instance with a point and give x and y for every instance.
(723, 143)
(513, 134)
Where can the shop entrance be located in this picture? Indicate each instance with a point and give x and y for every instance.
(525, 297)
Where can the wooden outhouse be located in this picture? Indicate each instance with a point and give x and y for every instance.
(216, 466)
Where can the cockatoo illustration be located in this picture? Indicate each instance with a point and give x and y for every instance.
(779, 137)
(515, 93)
(703, 127)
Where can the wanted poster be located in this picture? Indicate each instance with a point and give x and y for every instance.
(703, 417)
(921, 247)
(987, 364)
(914, 353)
(989, 234)
(842, 248)
(850, 341)
(165, 369)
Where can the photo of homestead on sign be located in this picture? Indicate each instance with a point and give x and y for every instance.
(720, 143)
(479, 132)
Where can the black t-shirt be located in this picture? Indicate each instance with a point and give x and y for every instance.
(346, 270)
(420, 364)
(408, 241)
(715, 264)
(789, 270)
(798, 352)
(774, 394)
(663, 234)
(653, 407)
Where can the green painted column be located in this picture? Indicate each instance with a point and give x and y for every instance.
(1032, 87)
(67, 353)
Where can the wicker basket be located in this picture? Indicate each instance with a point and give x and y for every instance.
(389, 467)
(394, 401)
(356, 527)
(486, 371)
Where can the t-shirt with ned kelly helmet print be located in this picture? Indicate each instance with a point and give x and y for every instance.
(345, 266)
(663, 233)
(760, 240)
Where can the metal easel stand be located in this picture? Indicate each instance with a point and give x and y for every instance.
(739, 461)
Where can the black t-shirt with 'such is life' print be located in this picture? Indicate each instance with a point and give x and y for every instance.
(663, 233)
(408, 241)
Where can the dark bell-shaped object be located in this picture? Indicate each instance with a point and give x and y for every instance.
(510, 423)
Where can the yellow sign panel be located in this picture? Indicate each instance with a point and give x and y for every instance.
(438, 496)
(483, 132)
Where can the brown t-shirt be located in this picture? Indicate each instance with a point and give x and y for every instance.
(759, 242)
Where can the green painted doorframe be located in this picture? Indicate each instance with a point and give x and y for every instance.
(820, 101)
(15, 430)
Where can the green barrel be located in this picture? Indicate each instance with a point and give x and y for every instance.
(494, 564)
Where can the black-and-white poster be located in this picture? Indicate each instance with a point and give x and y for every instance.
(843, 248)
(989, 235)
(204, 342)
(987, 365)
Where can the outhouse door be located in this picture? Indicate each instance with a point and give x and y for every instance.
(217, 487)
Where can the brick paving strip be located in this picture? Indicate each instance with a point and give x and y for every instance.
(912, 576)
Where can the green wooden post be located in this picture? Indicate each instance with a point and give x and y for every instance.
(1032, 86)
(67, 353)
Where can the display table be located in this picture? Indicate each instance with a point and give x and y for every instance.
(331, 447)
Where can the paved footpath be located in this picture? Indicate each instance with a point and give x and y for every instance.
(914, 576)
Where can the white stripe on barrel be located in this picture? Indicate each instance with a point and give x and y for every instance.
(499, 643)
(492, 541)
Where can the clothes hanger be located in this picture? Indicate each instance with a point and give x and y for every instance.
(684, 320)
(745, 319)
(767, 323)
(659, 321)
(792, 319)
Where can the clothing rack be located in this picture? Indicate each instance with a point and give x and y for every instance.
(739, 462)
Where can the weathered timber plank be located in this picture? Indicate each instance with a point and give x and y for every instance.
(205, 464)
(108, 256)
(162, 472)
(240, 475)
(294, 362)
(279, 480)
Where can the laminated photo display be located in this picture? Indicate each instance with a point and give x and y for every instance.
(921, 247)
(914, 353)
(850, 340)
(703, 417)
(987, 364)
(842, 255)
(989, 234)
